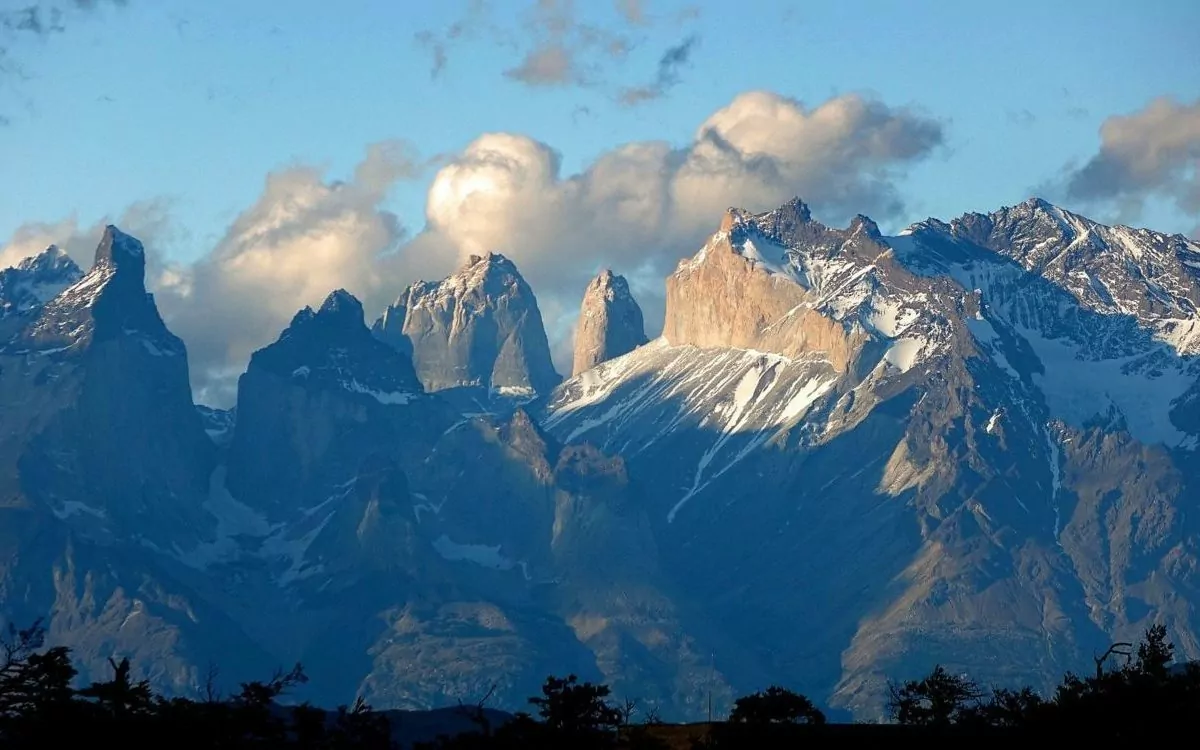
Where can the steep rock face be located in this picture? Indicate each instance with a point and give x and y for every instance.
(912, 432)
(100, 422)
(104, 470)
(108, 601)
(783, 283)
(562, 531)
(478, 328)
(427, 545)
(319, 388)
(610, 322)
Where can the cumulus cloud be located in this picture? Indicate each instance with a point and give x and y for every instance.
(305, 236)
(148, 220)
(1152, 153)
(640, 207)
(637, 208)
(841, 155)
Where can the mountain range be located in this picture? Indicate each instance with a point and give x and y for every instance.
(848, 457)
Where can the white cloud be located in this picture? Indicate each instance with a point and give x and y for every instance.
(637, 209)
(304, 236)
(642, 206)
(149, 220)
(1154, 152)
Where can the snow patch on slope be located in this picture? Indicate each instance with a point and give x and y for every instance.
(1078, 390)
(480, 554)
(903, 353)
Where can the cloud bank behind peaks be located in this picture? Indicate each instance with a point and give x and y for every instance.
(304, 236)
(641, 207)
(637, 208)
(1152, 153)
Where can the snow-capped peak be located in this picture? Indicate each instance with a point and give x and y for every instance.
(52, 258)
(1146, 278)
(482, 277)
(36, 280)
(108, 303)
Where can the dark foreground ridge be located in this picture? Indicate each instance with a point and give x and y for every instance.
(41, 706)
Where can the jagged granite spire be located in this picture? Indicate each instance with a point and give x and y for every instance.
(120, 250)
(479, 327)
(610, 322)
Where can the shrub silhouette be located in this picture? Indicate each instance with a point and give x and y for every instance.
(775, 705)
(39, 707)
(939, 699)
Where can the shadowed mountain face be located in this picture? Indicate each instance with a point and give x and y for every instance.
(104, 467)
(849, 457)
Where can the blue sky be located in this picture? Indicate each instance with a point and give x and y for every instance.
(197, 101)
(190, 104)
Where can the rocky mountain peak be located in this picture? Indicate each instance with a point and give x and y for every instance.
(109, 302)
(332, 347)
(325, 390)
(610, 322)
(867, 226)
(36, 280)
(97, 360)
(785, 220)
(342, 309)
(121, 251)
(478, 328)
(781, 282)
(53, 258)
(1136, 283)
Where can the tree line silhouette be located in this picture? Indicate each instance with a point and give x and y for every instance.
(40, 707)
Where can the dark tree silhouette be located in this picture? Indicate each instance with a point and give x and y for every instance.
(1120, 648)
(570, 707)
(39, 707)
(120, 697)
(1154, 653)
(775, 705)
(940, 699)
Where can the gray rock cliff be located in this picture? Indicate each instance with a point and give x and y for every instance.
(610, 322)
(478, 328)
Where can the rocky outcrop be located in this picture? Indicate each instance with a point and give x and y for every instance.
(478, 328)
(610, 322)
(970, 444)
